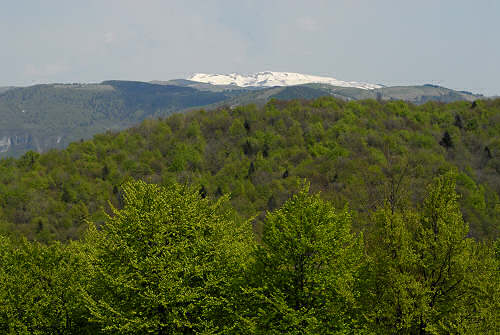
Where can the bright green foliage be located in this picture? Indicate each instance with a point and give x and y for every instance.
(306, 269)
(40, 289)
(172, 261)
(483, 299)
(391, 276)
(427, 276)
(360, 153)
(169, 262)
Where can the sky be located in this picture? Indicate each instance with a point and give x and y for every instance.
(452, 43)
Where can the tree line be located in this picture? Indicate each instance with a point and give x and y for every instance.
(172, 260)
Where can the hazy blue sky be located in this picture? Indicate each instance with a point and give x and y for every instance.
(453, 43)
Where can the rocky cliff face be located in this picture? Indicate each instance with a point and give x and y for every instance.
(5, 143)
(17, 143)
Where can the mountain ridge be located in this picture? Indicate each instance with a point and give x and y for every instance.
(48, 116)
(274, 78)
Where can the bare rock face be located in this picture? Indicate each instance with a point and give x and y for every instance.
(13, 141)
(5, 143)
(16, 143)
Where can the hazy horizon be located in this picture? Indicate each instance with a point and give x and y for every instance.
(446, 43)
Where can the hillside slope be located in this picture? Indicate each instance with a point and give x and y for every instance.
(362, 153)
(42, 117)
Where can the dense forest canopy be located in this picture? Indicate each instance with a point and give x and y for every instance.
(174, 261)
(301, 217)
(359, 153)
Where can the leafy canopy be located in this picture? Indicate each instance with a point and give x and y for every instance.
(306, 268)
(167, 262)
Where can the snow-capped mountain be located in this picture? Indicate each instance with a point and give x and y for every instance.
(270, 78)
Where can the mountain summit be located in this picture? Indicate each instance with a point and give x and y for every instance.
(270, 78)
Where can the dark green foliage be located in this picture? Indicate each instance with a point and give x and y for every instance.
(458, 121)
(446, 141)
(285, 174)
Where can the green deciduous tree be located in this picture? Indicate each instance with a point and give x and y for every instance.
(40, 289)
(426, 274)
(306, 269)
(167, 263)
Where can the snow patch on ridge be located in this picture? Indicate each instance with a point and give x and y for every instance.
(270, 78)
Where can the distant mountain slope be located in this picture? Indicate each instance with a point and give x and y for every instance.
(413, 94)
(42, 117)
(5, 89)
(154, 99)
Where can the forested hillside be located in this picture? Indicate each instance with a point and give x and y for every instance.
(49, 116)
(301, 217)
(361, 154)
